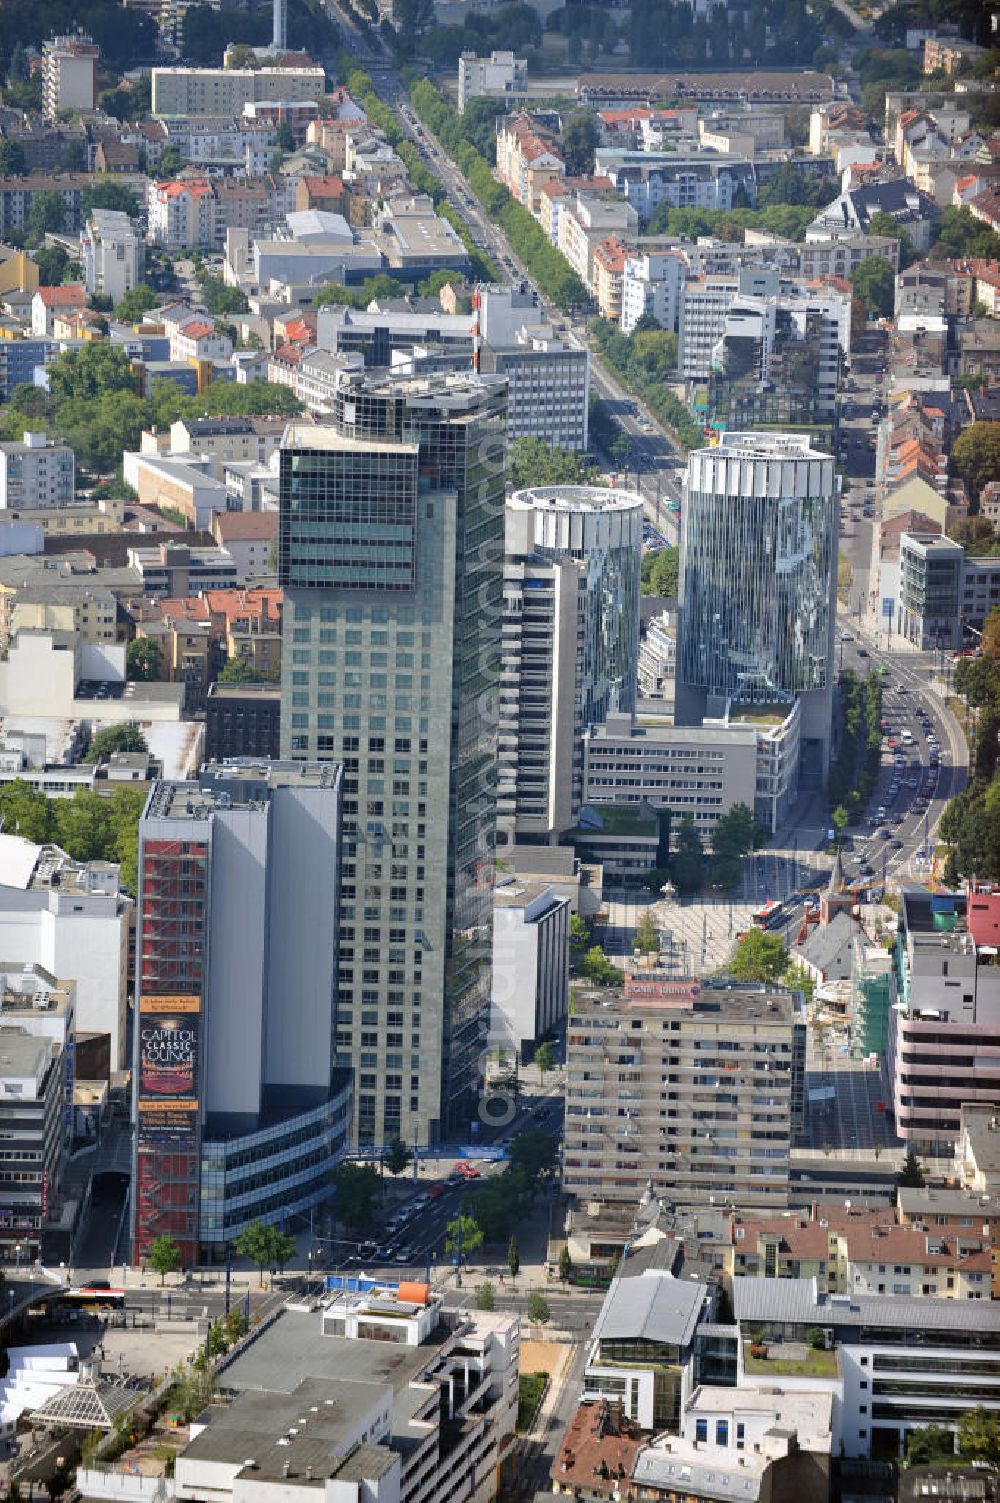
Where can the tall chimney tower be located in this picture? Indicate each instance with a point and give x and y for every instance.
(279, 42)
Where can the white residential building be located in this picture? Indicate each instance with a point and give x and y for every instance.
(181, 214)
(225, 91)
(69, 75)
(499, 76)
(36, 472)
(530, 962)
(652, 284)
(72, 919)
(111, 253)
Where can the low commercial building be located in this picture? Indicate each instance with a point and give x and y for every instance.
(176, 569)
(383, 1396)
(688, 1087)
(630, 760)
(38, 471)
(183, 483)
(896, 1363)
(530, 964)
(928, 611)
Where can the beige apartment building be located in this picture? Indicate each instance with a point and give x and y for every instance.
(688, 1087)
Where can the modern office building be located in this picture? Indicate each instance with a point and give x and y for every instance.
(112, 255)
(240, 1110)
(631, 760)
(929, 609)
(69, 75)
(690, 1088)
(390, 554)
(570, 645)
(758, 576)
(33, 1137)
(38, 471)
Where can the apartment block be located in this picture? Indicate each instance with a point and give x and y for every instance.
(944, 1040)
(69, 75)
(692, 1088)
(239, 1108)
(528, 157)
(38, 471)
(651, 284)
(499, 76)
(225, 91)
(112, 255)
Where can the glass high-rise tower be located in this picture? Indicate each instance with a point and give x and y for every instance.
(758, 578)
(390, 553)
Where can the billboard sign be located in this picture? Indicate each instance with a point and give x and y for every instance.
(169, 1040)
(888, 606)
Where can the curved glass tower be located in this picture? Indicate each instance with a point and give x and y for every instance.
(758, 578)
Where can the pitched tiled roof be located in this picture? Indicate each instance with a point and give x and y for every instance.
(69, 295)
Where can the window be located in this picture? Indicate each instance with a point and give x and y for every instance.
(722, 1432)
(701, 1429)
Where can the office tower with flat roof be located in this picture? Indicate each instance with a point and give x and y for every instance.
(390, 554)
(572, 565)
(758, 579)
(239, 1107)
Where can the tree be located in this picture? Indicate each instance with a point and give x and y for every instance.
(115, 738)
(357, 1188)
(759, 956)
(565, 1265)
(978, 679)
(840, 819)
(579, 932)
(647, 936)
(979, 1436)
(884, 224)
(283, 137)
(47, 215)
(737, 832)
(25, 811)
(534, 1155)
(108, 193)
(596, 967)
(137, 301)
(52, 261)
(545, 1058)
(535, 462)
(911, 1176)
(11, 159)
(990, 640)
(463, 1236)
(661, 572)
(929, 1443)
(688, 864)
(267, 1246)
(874, 286)
(580, 136)
(143, 660)
(975, 455)
(397, 1157)
(538, 1308)
(513, 1259)
(239, 671)
(484, 1297)
(413, 17)
(164, 1257)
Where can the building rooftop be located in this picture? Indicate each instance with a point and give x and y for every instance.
(766, 446)
(235, 783)
(599, 1442)
(653, 1307)
(769, 1005)
(245, 691)
(684, 1468)
(22, 1053)
(574, 498)
(797, 1302)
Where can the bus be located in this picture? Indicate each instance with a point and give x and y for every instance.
(768, 914)
(88, 1297)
